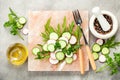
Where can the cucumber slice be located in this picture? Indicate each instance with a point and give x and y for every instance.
(66, 35)
(62, 43)
(69, 55)
(96, 48)
(51, 47)
(105, 50)
(20, 26)
(60, 56)
(64, 38)
(53, 36)
(35, 50)
(58, 50)
(95, 55)
(69, 60)
(45, 47)
(73, 40)
(22, 20)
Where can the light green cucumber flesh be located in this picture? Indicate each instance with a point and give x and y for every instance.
(22, 20)
(105, 50)
(60, 56)
(62, 43)
(96, 48)
(20, 26)
(53, 36)
(69, 60)
(51, 47)
(67, 35)
(95, 55)
(45, 47)
(35, 50)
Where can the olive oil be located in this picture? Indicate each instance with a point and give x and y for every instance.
(17, 54)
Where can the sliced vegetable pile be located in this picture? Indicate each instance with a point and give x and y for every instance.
(15, 23)
(61, 44)
(101, 51)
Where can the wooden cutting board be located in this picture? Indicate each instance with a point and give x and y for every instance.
(37, 20)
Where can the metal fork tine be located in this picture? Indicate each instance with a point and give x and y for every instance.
(79, 15)
(78, 21)
(74, 16)
(76, 12)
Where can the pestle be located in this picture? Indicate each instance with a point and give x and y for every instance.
(101, 19)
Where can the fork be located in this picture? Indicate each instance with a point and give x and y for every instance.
(78, 21)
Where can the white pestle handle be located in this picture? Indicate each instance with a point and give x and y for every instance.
(103, 22)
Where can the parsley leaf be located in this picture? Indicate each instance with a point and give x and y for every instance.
(13, 24)
(110, 43)
(111, 64)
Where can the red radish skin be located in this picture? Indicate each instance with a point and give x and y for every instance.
(73, 40)
(75, 57)
(52, 56)
(64, 38)
(100, 41)
(53, 61)
(51, 42)
(25, 31)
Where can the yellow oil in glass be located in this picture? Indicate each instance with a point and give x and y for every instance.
(17, 54)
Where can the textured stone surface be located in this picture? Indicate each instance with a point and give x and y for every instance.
(10, 72)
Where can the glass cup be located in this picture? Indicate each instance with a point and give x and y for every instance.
(17, 54)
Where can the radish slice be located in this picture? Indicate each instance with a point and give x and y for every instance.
(74, 57)
(52, 56)
(69, 55)
(64, 38)
(51, 42)
(73, 40)
(61, 66)
(58, 50)
(25, 31)
(53, 61)
(102, 58)
(100, 41)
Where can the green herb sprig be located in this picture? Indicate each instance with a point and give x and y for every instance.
(59, 30)
(13, 24)
(112, 65)
(111, 43)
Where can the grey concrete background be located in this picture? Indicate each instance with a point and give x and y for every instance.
(10, 72)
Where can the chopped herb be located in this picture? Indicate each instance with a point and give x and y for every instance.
(112, 64)
(71, 26)
(64, 25)
(13, 23)
(110, 43)
(57, 45)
